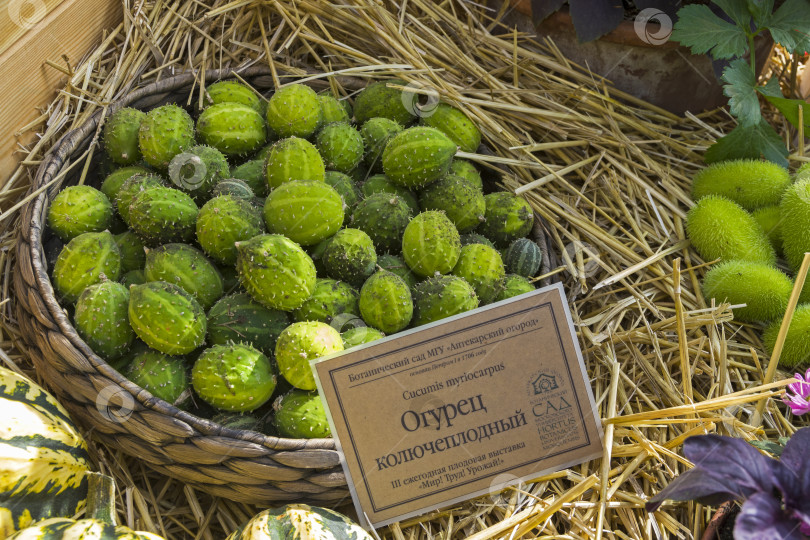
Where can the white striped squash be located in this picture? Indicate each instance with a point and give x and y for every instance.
(43, 458)
(300, 522)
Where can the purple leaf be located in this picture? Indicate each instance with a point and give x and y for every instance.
(694, 484)
(543, 8)
(595, 18)
(670, 7)
(762, 518)
(732, 462)
(793, 479)
(797, 449)
(795, 489)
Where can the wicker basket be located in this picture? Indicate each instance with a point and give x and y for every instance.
(235, 464)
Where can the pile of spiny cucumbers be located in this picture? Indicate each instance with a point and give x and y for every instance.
(227, 251)
(755, 218)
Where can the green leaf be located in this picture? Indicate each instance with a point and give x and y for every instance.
(704, 32)
(769, 446)
(771, 88)
(788, 107)
(752, 142)
(742, 93)
(737, 10)
(790, 25)
(761, 11)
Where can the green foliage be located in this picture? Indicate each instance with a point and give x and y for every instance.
(789, 26)
(704, 32)
(788, 107)
(741, 91)
(749, 142)
(700, 29)
(774, 448)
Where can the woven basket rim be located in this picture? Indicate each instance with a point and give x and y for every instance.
(53, 164)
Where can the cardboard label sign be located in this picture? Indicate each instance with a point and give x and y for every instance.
(461, 407)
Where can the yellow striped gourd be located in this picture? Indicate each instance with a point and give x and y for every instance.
(43, 458)
(100, 525)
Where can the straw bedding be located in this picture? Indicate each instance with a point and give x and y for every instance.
(608, 173)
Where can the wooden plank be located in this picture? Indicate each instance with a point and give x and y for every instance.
(71, 29)
(19, 16)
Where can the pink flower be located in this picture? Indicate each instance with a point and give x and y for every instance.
(797, 396)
